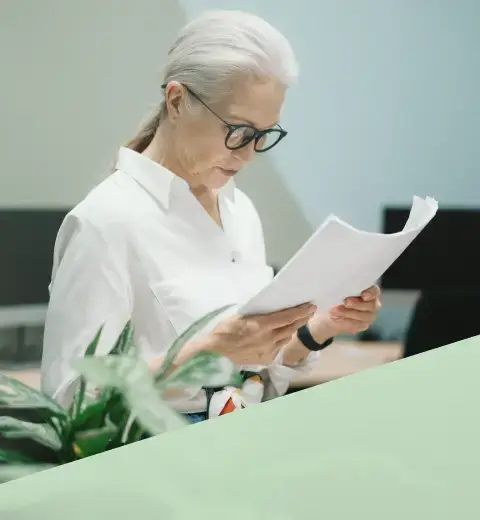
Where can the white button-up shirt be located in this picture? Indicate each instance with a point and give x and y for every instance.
(140, 246)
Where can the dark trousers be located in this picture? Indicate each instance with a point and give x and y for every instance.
(192, 418)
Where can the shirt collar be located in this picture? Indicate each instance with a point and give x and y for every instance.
(155, 178)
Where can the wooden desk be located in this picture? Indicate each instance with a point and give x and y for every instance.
(28, 377)
(341, 359)
(344, 358)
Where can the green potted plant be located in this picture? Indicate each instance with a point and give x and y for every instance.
(37, 433)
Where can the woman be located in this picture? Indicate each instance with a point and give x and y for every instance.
(167, 237)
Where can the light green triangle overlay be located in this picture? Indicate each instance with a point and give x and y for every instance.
(396, 442)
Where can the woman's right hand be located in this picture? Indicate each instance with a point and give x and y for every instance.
(256, 340)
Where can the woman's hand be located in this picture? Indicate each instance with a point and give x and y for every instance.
(355, 315)
(256, 340)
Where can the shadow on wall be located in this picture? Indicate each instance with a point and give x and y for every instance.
(285, 226)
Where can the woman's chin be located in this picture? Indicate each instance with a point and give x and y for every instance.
(220, 178)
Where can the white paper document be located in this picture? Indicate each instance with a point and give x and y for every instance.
(338, 261)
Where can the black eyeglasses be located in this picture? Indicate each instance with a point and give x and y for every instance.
(239, 136)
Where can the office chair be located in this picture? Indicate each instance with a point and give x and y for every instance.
(441, 318)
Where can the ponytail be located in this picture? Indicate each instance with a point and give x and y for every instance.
(145, 136)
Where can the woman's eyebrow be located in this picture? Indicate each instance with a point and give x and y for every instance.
(251, 123)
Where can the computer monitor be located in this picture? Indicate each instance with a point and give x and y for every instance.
(27, 241)
(445, 256)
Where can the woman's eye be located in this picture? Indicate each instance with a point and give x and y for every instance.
(237, 137)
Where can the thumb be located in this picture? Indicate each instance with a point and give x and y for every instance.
(370, 294)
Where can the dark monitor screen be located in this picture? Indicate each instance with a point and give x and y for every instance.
(27, 242)
(445, 256)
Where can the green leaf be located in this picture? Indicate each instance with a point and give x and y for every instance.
(43, 434)
(110, 371)
(78, 399)
(119, 414)
(92, 442)
(13, 457)
(20, 398)
(31, 414)
(14, 471)
(92, 416)
(124, 343)
(204, 369)
(134, 433)
(184, 338)
(37, 416)
(117, 408)
(92, 348)
(132, 377)
(32, 450)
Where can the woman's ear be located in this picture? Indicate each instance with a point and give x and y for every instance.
(174, 95)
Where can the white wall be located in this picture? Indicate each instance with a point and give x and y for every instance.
(387, 103)
(386, 107)
(77, 78)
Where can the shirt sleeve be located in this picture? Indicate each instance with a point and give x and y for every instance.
(280, 376)
(89, 289)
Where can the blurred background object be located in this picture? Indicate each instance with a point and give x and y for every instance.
(28, 237)
(442, 265)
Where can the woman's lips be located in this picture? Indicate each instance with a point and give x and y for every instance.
(229, 173)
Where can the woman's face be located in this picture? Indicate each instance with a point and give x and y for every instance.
(200, 137)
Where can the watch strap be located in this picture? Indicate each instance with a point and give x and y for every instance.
(305, 337)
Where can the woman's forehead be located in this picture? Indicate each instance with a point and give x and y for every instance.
(258, 103)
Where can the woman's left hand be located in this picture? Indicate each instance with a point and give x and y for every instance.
(355, 315)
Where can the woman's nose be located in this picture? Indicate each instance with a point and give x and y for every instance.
(246, 153)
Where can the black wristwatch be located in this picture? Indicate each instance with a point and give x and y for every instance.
(305, 337)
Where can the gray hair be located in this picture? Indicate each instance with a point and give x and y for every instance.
(216, 48)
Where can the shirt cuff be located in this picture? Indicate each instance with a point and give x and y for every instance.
(277, 376)
(302, 367)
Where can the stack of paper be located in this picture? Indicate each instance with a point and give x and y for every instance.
(338, 261)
